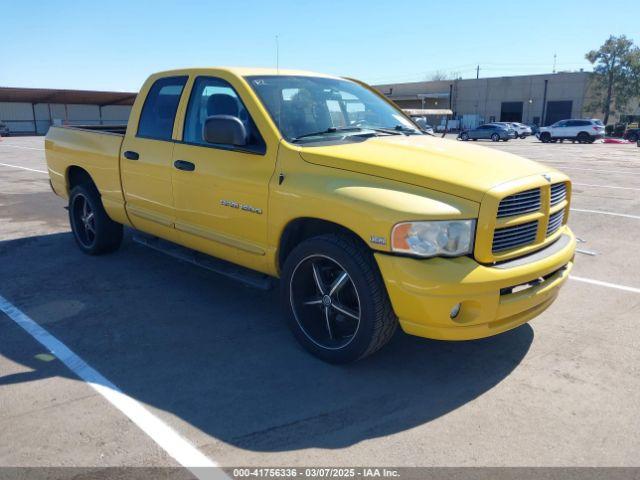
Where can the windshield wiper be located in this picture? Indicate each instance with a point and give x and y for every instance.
(397, 130)
(407, 130)
(330, 130)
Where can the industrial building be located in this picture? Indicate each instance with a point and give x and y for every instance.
(31, 111)
(535, 99)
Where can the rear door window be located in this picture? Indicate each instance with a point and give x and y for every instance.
(160, 107)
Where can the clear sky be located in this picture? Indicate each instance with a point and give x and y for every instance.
(115, 44)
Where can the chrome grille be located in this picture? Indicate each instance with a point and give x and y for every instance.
(520, 203)
(555, 221)
(558, 193)
(516, 236)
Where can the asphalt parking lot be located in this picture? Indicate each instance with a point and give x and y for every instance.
(212, 358)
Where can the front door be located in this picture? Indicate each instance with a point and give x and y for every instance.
(221, 191)
(146, 159)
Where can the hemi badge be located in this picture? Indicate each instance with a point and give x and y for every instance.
(378, 240)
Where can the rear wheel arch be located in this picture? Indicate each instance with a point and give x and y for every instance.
(77, 176)
(303, 228)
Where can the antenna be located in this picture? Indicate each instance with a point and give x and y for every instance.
(554, 62)
(277, 54)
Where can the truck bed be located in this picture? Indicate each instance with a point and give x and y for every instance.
(94, 149)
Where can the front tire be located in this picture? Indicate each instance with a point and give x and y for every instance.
(336, 302)
(495, 137)
(464, 136)
(545, 137)
(94, 232)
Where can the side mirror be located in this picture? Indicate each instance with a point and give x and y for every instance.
(224, 130)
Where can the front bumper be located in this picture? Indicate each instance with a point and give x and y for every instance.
(423, 292)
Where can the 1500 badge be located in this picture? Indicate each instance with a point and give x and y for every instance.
(241, 206)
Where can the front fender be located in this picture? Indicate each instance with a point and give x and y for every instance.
(367, 205)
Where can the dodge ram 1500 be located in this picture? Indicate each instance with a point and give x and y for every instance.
(324, 183)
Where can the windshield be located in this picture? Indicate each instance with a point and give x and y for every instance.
(308, 109)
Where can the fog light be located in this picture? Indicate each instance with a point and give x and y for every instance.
(455, 311)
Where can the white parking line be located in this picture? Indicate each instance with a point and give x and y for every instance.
(20, 146)
(23, 168)
(601, 212)
(605, 186)
(605, 284)
(601, 171)
(168, 439)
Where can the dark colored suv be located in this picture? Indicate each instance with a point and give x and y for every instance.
(632, 134)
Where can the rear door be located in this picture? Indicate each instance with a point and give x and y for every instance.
(221, 199)
(146, 159)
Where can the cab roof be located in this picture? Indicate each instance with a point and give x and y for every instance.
(245, 71)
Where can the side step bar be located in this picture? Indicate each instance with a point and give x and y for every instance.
(235, 272)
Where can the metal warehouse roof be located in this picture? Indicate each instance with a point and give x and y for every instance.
(49, 95)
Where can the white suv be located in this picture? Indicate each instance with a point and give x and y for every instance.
(576, 130)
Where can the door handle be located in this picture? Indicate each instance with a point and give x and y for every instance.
(131, 155)
(184, 165)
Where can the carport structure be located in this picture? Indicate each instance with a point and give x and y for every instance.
(34, 110)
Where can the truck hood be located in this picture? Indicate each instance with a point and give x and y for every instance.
(448, 166)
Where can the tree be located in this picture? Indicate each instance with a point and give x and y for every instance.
(436, 76)
(616, 73)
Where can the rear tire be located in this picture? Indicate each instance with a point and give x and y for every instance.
(336, 302)
(495, 137)
(94, 232)
(583, 137)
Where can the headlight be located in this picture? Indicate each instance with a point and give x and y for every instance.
(435, 238)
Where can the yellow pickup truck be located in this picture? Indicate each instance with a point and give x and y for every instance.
(324, 183)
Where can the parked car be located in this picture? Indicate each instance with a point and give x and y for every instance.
(488, 131)
(4, 130)
(534, 128)
(575, 130)
(369, 223)
(632, 134)
(522, 130)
